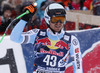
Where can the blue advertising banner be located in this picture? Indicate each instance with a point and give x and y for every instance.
(89, 43)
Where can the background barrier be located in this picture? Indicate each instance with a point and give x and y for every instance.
(11, 57)
(90, 44)
(16, 58)
(85, 17)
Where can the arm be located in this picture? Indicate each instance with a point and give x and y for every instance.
(76, 55)
(17, 31)
(18, 36)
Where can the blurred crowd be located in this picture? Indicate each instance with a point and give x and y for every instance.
(9, 12)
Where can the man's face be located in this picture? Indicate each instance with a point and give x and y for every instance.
(7, 14)
(56, 23)
(56, 26)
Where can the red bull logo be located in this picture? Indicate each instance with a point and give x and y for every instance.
(52, 44)
(61, 44)
(44, 41)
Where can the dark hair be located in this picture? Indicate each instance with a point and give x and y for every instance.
(6, 7)
(61, 4)
(42, 4)
(81, 4)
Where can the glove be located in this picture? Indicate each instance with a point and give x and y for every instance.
(32, 9)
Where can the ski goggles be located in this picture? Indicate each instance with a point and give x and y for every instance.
(57, 19)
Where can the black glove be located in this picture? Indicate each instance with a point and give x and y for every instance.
(32, 9)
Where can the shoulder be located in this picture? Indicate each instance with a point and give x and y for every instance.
(67, 36)
(74, 40)
(42, 32)
(71, 37)
(31, 32)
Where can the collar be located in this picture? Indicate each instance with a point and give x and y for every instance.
(56, 36)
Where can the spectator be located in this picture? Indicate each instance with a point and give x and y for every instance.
(9, 2)
(40, 13)
(0, 7)
(64, 2)
(88, 4)
(96, 11)
(93, 2)
(77, 5)
(5, 19)
(96, 8)
(18, 10)
(91, 5)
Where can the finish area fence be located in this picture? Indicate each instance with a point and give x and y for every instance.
(85, 17)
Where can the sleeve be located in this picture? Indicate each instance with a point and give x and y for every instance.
(18, 36)
(76, 55)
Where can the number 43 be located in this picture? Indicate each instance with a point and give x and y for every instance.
(50, 60)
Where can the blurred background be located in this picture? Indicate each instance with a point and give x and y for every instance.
(10, 9)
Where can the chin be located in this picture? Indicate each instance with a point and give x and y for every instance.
(57, 30)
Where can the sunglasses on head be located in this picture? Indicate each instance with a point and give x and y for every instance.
(57, 19)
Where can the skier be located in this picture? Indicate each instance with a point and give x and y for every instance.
(52, 46)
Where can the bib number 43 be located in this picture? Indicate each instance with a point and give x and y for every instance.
(50, 60)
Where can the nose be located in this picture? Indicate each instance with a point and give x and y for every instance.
(59, 21)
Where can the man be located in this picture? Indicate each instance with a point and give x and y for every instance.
(96, 8)
(52, 46)
(6, 18)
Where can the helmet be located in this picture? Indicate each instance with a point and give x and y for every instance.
(53, 9)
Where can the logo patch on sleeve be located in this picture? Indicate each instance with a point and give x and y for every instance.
(42, 33)
(74, 41)
(66, 38)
